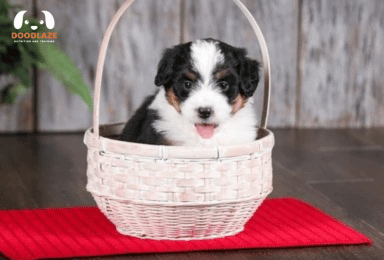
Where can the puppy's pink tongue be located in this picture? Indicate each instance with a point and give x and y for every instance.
(205, 131)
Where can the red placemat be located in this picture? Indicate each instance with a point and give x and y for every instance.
(76, 232)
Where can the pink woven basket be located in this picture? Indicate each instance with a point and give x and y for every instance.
(178, 193)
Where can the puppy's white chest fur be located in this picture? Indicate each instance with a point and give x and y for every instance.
(240, 128)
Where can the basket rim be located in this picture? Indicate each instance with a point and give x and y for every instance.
(103, 143)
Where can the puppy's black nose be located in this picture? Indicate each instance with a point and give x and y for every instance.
(204, 112)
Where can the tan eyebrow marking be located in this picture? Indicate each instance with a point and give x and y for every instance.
(190, 75)
(173, 100)
(238, 103)
(221, 74)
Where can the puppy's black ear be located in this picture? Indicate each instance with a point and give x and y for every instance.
(247, 69)
(249, 76)
(165, 68)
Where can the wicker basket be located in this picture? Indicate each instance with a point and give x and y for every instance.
(178, 193)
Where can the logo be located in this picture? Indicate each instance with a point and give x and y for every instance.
(19, 23)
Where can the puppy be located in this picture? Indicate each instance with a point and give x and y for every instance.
(203, 100)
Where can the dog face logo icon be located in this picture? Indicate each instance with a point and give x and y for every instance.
(19, 20)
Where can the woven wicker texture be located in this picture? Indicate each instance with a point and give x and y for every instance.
(178, 222)
(178, 193)
(156, 179)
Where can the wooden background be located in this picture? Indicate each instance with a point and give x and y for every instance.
(327, 58)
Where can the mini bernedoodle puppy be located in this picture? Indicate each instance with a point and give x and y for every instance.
(203, 100)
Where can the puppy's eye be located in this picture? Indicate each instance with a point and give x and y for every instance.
(223, 85)
(187, 85)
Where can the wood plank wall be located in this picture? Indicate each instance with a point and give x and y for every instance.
(327, 58)
(134, 50)
(342, 63)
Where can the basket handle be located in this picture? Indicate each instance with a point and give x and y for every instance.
(107, 37)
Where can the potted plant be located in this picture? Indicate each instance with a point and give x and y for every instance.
(17, 58)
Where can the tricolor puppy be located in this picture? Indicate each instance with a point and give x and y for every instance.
(203, 100)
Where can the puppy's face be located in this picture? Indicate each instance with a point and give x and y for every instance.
(207, 82)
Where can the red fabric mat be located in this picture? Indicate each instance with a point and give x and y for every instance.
(76, 232)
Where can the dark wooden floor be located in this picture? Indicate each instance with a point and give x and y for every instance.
(339, 171)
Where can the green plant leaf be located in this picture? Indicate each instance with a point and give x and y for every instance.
(3, 49)
(5, 40)
(61, 66)
(10, 93)
(19, 58)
